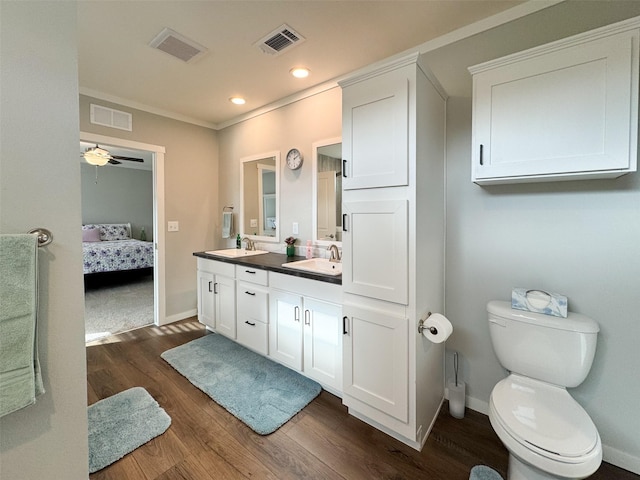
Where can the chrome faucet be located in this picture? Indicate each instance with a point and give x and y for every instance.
(250, 244)
(334, 253)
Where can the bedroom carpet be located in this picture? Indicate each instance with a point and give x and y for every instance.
(121, 423)
(261, 393)
(117, 304)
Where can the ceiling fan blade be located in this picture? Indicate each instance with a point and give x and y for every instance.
(114, 162)
(129, 159)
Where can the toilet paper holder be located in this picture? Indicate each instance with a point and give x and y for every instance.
(421, 327)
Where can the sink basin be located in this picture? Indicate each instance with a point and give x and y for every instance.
(316, 265)
(236, 252)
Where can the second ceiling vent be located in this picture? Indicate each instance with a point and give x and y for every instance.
(280, 40)
(177, 45)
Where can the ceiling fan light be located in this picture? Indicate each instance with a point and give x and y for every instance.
(96, 156)
(94, 159)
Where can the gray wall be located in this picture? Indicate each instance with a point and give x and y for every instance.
(39, 91)
(121, 195)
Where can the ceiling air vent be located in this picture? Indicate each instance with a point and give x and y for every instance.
(178, 46)
(280, 40)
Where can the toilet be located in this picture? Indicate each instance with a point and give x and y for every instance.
(547, 433)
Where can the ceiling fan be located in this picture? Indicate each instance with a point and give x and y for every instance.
(100, 157)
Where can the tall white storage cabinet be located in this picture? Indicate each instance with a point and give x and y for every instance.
(393, 246)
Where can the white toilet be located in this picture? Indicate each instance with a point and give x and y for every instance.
(548, 434)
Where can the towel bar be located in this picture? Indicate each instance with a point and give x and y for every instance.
(45, 237)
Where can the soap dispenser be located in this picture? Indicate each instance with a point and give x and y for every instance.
(238, 242)
(309, 250)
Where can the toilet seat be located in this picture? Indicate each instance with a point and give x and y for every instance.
(543, 425)
(544, 416)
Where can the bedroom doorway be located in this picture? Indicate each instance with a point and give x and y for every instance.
(118, 299)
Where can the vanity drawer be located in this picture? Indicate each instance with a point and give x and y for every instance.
(252, 303)
(253, 334)
(253, 275)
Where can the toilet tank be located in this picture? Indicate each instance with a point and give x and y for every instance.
(552, 349)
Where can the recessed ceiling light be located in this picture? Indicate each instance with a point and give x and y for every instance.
(299, 72)
(238, 100)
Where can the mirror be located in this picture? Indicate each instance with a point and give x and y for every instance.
(259, 177)
(327, 191)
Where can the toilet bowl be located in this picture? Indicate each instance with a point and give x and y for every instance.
(547, 433)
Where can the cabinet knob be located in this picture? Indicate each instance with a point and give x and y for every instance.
(344, 168)
(253, 294)
(249, 323)
(307, 317)
(345, 322)
(481, 154)
(296, 311)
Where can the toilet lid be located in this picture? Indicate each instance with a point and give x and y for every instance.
(544, 415)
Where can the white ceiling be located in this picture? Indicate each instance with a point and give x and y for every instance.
(116, 63)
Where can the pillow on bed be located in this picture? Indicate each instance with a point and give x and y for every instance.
(90, 235)
(111, 231)
(114, 231)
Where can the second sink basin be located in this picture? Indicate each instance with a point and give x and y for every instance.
(236, 252)
(316, 265)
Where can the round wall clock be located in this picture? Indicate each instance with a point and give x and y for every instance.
(294, 159)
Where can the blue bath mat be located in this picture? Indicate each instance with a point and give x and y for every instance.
(121, 423)
(259, 392)
(482, 472)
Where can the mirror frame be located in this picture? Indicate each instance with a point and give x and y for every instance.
(314, 204)
(252, 158)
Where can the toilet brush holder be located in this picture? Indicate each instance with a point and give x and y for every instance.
(456, 398)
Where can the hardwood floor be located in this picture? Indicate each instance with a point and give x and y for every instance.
(323, 441)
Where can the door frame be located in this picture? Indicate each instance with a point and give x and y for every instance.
(159, 305)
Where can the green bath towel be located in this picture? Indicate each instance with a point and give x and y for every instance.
(20, 379)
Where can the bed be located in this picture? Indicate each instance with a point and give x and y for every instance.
(108, 247)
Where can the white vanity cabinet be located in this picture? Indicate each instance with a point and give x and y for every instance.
(252, 308)
(305, 328)
(217, 296)
(393, 246)
(563, 111)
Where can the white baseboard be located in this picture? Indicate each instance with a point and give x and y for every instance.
(179, 316)
(621, 459)
(609, 454)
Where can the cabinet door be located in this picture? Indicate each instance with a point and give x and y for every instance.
(323, 342)
(285, 328)
(206, 299)
(225, 306)
(559, 114)
(375, 126)
(376, 360)
(375, 250)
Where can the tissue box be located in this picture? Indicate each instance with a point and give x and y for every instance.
(539, 301)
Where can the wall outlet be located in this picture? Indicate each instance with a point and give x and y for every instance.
(294, 228)
(173, 226)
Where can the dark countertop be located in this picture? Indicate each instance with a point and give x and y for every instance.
(273, 263)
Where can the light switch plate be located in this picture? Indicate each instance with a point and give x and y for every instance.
(253, 222)
(294, 228)
(173, 226)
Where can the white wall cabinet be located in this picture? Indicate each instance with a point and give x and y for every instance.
(217, 296)
(563, 111)
(393, 246)
(305, 332)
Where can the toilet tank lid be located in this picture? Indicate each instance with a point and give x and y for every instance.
(575, 322)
